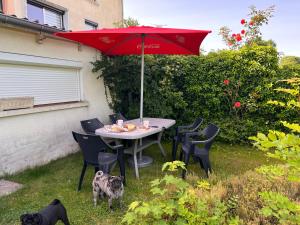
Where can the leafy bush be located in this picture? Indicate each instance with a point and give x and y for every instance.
(234, 201)
(280, 208)
(285, 147)
(177, 202)
(185, 87)
(245, 190)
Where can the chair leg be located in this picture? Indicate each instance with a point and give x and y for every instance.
(209, 166)
(174, 149)
(205, 162)
(96, 169)
(105, 169)
(82, 175)
(186, 161)
(121, 163)
(181, 155)
(201, 164)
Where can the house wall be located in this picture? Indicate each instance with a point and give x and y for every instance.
(34, 139)
(104, 12)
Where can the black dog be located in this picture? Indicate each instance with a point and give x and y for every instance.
(47, 216)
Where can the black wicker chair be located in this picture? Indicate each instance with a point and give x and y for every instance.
(191, 147)
(180, 133)
(94, 150)
(89, 126)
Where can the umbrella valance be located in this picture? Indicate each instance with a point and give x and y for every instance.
(128, 41)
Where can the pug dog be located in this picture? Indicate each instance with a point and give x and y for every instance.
(47, 216)
(105, 184)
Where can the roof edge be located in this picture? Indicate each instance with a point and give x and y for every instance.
(25, 23)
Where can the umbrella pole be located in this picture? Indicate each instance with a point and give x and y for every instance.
(142, 79)
(142, 160)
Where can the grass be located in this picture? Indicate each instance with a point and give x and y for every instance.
(59, 180)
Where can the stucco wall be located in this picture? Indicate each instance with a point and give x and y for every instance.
(104, 12)
(34, 139)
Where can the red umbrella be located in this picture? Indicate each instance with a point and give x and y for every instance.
(140, 40)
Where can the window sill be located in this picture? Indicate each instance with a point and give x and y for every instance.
(47, 108)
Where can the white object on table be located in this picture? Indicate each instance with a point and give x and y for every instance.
(120, 123)
(156, 125)
(146, 123)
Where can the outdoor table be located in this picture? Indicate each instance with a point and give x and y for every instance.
(157, 126)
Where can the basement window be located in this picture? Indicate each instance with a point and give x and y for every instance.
(44, 14)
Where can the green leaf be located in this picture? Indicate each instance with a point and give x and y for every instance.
(133, 205)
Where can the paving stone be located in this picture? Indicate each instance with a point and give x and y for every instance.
(8, 187)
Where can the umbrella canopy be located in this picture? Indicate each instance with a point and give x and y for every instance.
(140, 40)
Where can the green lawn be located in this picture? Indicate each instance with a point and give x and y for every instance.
(59, 179)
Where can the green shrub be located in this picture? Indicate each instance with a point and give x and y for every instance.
(185, 87)
(285, 147)
(233, 201)
(176, 202)
(246, 188)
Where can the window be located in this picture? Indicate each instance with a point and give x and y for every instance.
(1, 6)
(48, 80)
(90, 25)
(44, 14)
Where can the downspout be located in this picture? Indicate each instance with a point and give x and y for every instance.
(122, 12)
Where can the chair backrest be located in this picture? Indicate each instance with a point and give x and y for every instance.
(197, 123)
(89, 126)
(210, 132)
(90, 146)
(116, 116)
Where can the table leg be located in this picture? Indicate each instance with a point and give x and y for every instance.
(141, 152)
(136, 142)
(159, 144)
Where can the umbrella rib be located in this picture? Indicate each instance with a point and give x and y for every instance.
(170, 41)
(120, 43)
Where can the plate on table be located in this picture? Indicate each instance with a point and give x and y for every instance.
(115, 128)
(143, 128)
(129, 127)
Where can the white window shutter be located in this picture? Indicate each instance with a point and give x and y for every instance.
(52, 18)
(46, 84)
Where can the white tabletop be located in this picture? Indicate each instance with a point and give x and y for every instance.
(138, 133)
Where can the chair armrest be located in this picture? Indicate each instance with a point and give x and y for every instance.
(203, 141)
(189, 135)
(199, 142)
(182, 129)
(112, 147)
(192, 134)
(116, 147)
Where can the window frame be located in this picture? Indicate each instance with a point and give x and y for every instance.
(45, 62)
(91, 23)
(1, 6)
(44, 6)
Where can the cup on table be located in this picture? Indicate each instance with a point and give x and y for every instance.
(120, 123)
(146, 123)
